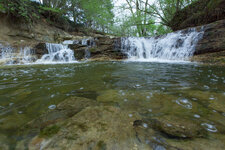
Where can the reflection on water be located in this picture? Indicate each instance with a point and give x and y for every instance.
(152, 90)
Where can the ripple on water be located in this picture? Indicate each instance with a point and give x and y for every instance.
(212, 97)
(197, 116)
(209, 127)
(52, 107)
(184, 103)
(145, 125)
(20, 112)
(1, 107)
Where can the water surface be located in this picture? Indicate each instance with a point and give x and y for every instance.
(191, 91)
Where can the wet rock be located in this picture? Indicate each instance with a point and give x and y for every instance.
(199, 143)
(213, 38)
(4, 142)
(101, 127)
(177, 127)
(150, 137)
(40, 49)
(216, 58)
(64, 110)
(79, 50)
(109, 96)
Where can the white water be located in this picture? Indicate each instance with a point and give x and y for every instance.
(9, 55)
(57, 53)
(177, 46)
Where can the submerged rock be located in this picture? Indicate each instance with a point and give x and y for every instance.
(177, 127)
(63, 111)
(101, 127)
(4, 142)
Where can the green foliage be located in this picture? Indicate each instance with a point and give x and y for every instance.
(53, 10)
(2, 8)
(21, 9)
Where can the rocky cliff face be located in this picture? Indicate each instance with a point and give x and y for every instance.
(208, 15)
(211, 48)
(94, 48)
(213, 39)
(199, 13)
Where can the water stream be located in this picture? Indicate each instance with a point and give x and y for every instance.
(186, 98)
(57, 53)
(176, 46)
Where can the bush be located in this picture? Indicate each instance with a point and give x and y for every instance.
(2, 9)
(23, 10)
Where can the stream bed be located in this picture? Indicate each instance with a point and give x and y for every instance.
(112, 105)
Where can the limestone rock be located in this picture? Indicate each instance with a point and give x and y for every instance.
(199, 13)
(40, 49)
(101, 127)
(177, 127)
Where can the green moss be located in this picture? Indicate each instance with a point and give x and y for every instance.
(49, 131)
(92, 50)
(101, 145)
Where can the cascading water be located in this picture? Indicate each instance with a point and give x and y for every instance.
(88, 43)
(178, 46)
(9, 55)
(57, 53)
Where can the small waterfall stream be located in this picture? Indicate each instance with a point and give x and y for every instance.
(57, 53)
(9, 55)
(178, 46)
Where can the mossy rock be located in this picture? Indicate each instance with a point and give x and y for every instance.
(49, 131)
(177, 127)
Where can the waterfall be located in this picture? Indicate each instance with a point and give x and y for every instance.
(57, 53)
(9, 55)
(178, 46)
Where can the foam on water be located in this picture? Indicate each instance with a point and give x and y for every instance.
(176, 46)
(57, 53)
(9, 55)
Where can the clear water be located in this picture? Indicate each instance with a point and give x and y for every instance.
(188, 91)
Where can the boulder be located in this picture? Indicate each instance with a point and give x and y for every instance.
(40, 49)
(64, 110)
(177, 127)
(100, 128)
